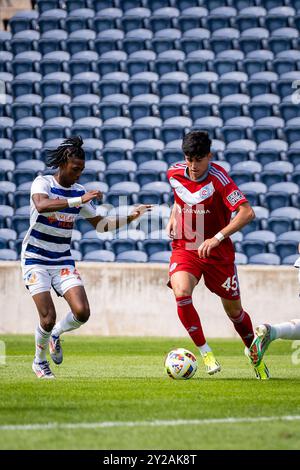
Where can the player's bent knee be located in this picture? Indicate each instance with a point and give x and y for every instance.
(48, 322)
(233, 313)
(181, 292)
(82, 313)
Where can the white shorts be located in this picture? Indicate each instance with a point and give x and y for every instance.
(40, 279)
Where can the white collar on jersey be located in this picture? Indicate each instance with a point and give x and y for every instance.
(202, 178)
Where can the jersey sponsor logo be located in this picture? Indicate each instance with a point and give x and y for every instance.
(235, 197)
(189, 210)
(172, 267)
(191, 199)
(63, 220)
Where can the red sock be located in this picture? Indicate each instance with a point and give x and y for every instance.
(190, 319)
(243, 325)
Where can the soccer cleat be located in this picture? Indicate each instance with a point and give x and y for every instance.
(42, 370)
(261, 371)
(211, 364)
(260, 368)
(55, 349)
(260, 343)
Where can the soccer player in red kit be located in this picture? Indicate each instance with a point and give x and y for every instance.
(200, 226)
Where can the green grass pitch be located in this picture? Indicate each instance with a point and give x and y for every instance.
(122, 380)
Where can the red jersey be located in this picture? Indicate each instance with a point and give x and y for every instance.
(204, 207)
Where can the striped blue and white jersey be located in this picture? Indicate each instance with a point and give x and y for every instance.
(48, 239)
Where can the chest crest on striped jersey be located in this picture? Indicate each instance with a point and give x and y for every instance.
(191, 199)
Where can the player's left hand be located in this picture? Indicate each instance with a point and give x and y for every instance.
(205, 248)
(140, 210)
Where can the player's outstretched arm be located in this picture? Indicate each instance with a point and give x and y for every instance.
(244, 215)
(43, 203)
(107, 224)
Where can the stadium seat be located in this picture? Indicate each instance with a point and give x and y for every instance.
(265, 258)
(8, 255)
(290, 260)
(253, 247)
(132, 256)
(103, 256)
(160, 257)
(286, 247)
(154, 246)
(241, 258)
(20, 223)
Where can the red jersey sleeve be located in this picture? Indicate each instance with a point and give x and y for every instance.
(232, 195)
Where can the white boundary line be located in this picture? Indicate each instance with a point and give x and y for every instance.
(133, 424)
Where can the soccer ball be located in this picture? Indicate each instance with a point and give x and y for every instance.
(181, 364)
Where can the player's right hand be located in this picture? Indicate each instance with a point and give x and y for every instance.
(89, 195)
(171, 229)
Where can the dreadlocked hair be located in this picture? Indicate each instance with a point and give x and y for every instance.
(70, 147)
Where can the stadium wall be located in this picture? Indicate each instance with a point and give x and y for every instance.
(133, 300)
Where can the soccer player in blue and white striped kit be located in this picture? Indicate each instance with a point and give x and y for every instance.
(46, 258)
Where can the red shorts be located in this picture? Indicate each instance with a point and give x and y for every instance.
(221, 279)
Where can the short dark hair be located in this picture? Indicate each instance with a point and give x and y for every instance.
(196, 144)
(71, 147)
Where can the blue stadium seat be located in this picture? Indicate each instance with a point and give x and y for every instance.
(22, 154)
(140, 155)
(103, 256)
(254, 247)
(263, 133)
(52, 19)
(235, 155)
(284, 219)
(151, 246)
(267, 156)
(241, 258)
(286, 248)
(252, 191)
(88, 245)
(7, 237)
(8, 255)
(20, 223)
(290, 260)
(160, 257)
(132, 256)
(23, 20)
(122, 245)
(265, 258)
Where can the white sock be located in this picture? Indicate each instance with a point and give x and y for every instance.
(41, 343)
(68, 323)
(287, 330)
(204, 349)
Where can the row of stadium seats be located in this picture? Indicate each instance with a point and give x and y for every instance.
(22, 113)
(162, 16)
(135, 256)
(140, 133)
(279, 195)
(274, 173)
(138, 256)
(131, 77)
(145, 83)
(108, 155)
(278, 221)
(142, 60)
(153, 5)
(82, 40)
